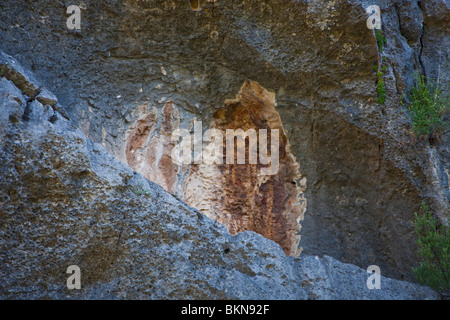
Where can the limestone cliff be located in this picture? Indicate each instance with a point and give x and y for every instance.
(64, 201)
(351, 173)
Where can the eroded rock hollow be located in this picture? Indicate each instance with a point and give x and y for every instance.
(138, 70)
(67, 204)
(238, 195)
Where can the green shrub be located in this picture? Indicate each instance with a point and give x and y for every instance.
(375, 67)
(381, 90)
(434, 251)
(427, 108)
(379, 69)
(381, 40)
(139, 190)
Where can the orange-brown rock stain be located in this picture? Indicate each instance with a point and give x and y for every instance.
(236, 194)
(149, 152)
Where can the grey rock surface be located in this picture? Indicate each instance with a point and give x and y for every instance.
(366, 175)
(22, 78)
(65, 201)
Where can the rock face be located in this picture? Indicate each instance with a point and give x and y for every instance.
(242, 194)
(137, 68)
(64, 201)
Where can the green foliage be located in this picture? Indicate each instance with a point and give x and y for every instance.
(379, 69)
(427, 107)
(375, 67)
(381, 40)
(381, 89)
(139, 190)
(434, 251)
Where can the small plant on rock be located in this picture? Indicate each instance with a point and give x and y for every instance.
(379, 69)
(139, 190)
(381, 89)
(381, 40)
(427, 108)
(434, 251)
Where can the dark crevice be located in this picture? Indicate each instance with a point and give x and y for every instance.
(419, 58)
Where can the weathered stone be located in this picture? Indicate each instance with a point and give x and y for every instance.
(47, 98)
(150, 154)
(37, 112)
(435, 39)
(240, 196)
(410, 20)
(12, 101)
(317, 56)
(23, 79)
(65, 201)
